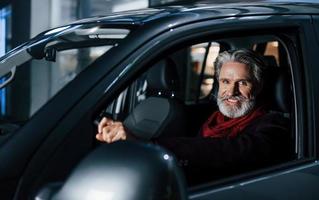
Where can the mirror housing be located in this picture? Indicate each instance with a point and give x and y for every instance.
(123, 170)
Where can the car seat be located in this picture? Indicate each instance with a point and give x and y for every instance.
(277, 87)
(162, 113)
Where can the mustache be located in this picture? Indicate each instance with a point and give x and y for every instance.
(234, 97)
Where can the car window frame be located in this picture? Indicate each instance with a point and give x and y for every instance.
(229, 31)
(92, 102)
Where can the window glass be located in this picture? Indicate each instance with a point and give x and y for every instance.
(67, 51)
(202, 57)
(272, 50)
(63, 12)
(5, 45)
(68, 65)
(197, 58)
(208, 76)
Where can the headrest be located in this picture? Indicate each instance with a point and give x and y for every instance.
(277, 89)
(270, 61)
(163, 77)
(277, 86)
(282, 91)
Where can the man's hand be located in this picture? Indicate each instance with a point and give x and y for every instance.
(110, 131)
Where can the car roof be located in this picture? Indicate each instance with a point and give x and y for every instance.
(152, 21)
(204, 10)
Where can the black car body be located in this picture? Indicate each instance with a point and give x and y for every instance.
(43, 144)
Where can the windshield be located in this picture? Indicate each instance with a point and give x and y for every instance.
(47, 63)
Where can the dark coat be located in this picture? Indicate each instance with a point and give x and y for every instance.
(265, 141)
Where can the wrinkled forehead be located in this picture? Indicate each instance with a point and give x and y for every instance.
(235, 70)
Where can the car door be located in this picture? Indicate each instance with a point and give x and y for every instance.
(296, 35)
(72, 136)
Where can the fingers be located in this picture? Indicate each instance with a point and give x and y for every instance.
(120, 135)
(104, 122)
(108, 133)
(112, 132)
(99, 137)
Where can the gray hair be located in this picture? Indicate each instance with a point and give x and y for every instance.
(248, 57)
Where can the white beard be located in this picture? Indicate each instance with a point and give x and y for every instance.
(245, 106)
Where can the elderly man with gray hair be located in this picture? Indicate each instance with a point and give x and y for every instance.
(241, 136)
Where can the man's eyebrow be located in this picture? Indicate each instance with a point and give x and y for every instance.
(222, 79)
(245, 79)
(237, 80)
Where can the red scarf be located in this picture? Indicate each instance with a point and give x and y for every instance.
(218, 125)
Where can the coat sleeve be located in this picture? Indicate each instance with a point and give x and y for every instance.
(265, 141)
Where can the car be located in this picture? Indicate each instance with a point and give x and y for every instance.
(153, 70)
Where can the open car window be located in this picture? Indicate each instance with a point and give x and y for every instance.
(37, 70)
(191, 69)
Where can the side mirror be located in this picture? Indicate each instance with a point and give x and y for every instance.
(122, 171)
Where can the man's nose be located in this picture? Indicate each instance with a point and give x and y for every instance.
(233, 90)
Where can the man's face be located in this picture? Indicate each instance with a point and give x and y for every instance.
(235, 94)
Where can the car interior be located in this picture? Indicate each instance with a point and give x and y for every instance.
(177, 93)
(172, 97)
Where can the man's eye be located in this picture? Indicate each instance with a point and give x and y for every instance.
(243, 83)
(225, 81)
